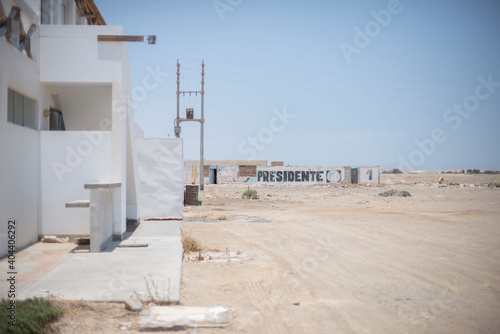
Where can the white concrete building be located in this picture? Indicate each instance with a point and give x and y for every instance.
(64, 120)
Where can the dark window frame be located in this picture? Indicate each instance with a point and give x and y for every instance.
(56, 120)
(21, 110)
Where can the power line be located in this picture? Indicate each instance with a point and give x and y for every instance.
(343, 84)
(342, 75)
(342, 92)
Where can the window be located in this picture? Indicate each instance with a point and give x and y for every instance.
(56, 120)
(46, 8)
(21, 110)
(66, 11)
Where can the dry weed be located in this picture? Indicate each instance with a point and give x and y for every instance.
(189, 243)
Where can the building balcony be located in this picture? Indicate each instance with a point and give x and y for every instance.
(72, 54)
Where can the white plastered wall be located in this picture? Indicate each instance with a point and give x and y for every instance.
(19, 151)
(71, 55)
(69, 160)
(84, 106)
(160, 171)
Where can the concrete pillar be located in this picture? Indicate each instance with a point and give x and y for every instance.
(118, 156)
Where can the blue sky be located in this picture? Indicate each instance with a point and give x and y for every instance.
(393, 83)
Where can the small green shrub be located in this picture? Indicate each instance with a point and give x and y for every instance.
(250, 194)
(31, 315)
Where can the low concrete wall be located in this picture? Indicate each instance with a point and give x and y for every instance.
(192, 173)
(232, 174)
(304, 175)
(160, 172)
(368, 175)
(102, 217)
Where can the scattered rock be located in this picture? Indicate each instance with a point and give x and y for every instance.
(394, 193)
(217, 257)
(133, 304)
(126, 326)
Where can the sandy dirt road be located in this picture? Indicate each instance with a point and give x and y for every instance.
(344, 260)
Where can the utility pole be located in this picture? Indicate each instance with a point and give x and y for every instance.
(190, 116)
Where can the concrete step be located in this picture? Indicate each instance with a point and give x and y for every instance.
(78, 204)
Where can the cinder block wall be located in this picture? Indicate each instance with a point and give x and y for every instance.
(250, 171)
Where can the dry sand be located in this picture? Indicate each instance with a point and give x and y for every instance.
(344, 260)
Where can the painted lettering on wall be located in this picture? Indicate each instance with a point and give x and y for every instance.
(300, 176)
(290, 176)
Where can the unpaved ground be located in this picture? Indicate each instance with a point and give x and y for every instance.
(344, 260)
(88, 318)
(354, 262)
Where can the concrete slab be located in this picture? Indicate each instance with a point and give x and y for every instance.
(34, 262)
(167, 317)
(117, 273)
(79, 204)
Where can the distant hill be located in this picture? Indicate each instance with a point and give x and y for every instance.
(406, 170)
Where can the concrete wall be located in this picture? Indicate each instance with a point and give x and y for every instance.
(261, 163)
(71, 56)
(160, 171)
(225, 173)
(90, 82)
(231, 174)
(133, 182)
(250, 171)
(84, 107)
(269, 175)
(191, 173)
(368, 175)
(101, 217)
(71, 53)
(304, 175)
(70, 159)
(19, 151)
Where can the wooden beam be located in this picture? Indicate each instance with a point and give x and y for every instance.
(3, 18)
(94, 10)
(119, 38)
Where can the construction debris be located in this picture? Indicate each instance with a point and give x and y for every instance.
(217, 257)
(133, 244)
(82, 241)
(172, 317)
(53, 239)
(133, 304)
(394, 193)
